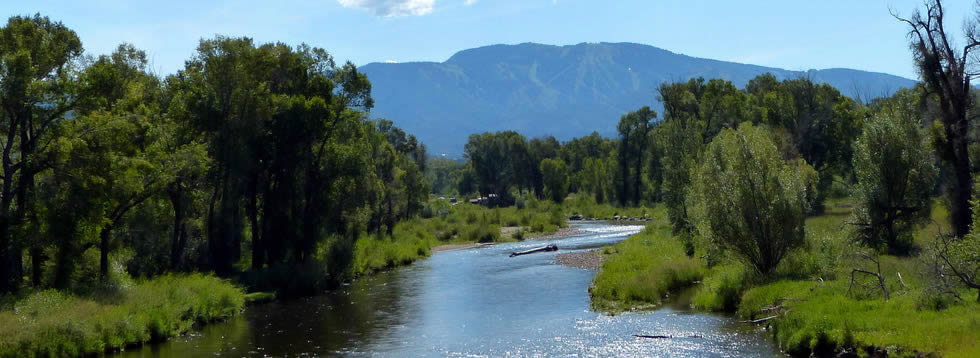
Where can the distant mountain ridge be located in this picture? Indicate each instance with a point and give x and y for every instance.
(565, 91)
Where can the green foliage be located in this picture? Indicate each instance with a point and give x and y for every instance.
(721, 290)
(633, 129)
(555, 177)
(641, 270)
(596, 178)
(820, 317)
(259, 297)
(498, 161)
(747, 199)
(895, 175)
(49, 323)
(410, 243)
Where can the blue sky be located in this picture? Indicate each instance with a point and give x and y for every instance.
(795, 35)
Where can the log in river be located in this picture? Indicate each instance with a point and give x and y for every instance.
(547, 248)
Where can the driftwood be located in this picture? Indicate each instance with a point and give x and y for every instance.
(664, 337)
(761, 320)
(551, 247)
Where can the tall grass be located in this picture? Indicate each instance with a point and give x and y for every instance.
(721, 290)
(821, 319)
(642, 270)
(411, 240)
(53, 324)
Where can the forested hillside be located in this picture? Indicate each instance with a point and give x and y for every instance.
(563, 91)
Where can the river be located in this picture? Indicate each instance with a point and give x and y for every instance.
(474, 302)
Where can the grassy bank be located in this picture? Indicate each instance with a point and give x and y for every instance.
(810, 295)
(445, 224)
(53, 324)
(640, 271)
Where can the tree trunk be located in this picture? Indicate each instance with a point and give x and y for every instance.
(637, 179)
(258, 251)
(962, 191)
(214, 237)
(8, 280)
(176, 244)
(37, 258)
(104, 237)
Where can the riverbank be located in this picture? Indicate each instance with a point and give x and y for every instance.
(53, 324)
(809, 305)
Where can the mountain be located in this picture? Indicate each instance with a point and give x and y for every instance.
(565, 91)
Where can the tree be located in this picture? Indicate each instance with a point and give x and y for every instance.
(38, 89)
(633, 128)
(819, 123)
(498, 161)
(947, 72)
(747, 199)
(895, 175)
(596, 178)
(540, 149)
(577, 151)
(127, 128)
(555, 177)
(961, 256)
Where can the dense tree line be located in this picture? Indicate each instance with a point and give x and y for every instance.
(652, 158)
(251, 156)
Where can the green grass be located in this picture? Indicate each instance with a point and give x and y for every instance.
(410, 241)
(821, 318)
(586, 206)
(49, 323)
(808, 292)
(721, 290)
(254, 298)
(640, 271)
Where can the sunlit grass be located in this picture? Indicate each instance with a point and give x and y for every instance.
(642, 270)
(53, 324)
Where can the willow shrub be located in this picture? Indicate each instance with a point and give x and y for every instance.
(894, 167)
(749, 200)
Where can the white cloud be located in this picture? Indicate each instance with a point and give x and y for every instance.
(392, 7)
(469, 2)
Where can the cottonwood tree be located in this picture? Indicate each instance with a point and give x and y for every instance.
(747, 199)
(555, 176)
(947, 71)
(39, 63)
(633, 128)
(895, 174)
(596, 178)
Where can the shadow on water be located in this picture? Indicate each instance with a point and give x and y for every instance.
(477, 302)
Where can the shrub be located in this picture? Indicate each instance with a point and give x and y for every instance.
(427, 212)
(519, 203)
(747, 199)
(896, 175)
(721, 290)
(483, 233)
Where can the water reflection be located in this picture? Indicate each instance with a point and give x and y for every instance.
(476, 302)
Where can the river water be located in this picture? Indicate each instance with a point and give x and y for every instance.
(470, 303)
